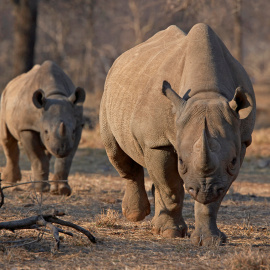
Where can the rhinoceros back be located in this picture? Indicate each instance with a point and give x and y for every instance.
(133, 90)
(137, 113)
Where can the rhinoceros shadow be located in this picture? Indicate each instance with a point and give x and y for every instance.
(235, 196)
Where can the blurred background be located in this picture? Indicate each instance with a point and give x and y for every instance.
(84, 37)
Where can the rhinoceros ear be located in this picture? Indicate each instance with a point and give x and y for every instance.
(241, 103)
(78, 96)
(176, 100)
(39, 99)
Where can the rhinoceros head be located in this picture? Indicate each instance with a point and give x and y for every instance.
(208, 141)
(58, 122)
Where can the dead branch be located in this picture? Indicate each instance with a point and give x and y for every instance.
(74, 226)
(46, 221)
(42, 220)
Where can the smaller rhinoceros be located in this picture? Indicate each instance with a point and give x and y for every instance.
(43, 110)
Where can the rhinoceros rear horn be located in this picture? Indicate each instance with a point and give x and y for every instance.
(241, 103)
(78, 96)
(39, 99)
(176, 100)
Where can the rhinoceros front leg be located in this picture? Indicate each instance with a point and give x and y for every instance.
(40, 160)
(61, 172)
(62, 168)
(169, 192)
(11, 172)
(206, 231)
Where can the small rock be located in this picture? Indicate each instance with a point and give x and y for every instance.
(263, 163)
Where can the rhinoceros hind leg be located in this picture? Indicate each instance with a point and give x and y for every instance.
(135, 205)
(169, 192)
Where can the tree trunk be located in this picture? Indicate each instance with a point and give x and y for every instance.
(88, 69)
(25, 20)
(238, 31)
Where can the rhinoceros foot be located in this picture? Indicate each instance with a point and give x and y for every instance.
(60, 189)
(179, 231)
(41, 187)
(135, 206)
(135, 216)
(11, 175)
(169, 226)
(215, 238)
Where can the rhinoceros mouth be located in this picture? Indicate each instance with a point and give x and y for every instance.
(206, 197)
(206, 200)
(60, 153)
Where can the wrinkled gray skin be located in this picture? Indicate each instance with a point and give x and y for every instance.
(42, 109)
(194, 135)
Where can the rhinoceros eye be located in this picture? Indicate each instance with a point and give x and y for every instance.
(232, 166)
(182, 166)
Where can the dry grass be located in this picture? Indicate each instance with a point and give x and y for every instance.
(108, 219)
(260, 146)
(91, 138)
(251, 260)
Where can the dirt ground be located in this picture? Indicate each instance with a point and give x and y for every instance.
(95, 204)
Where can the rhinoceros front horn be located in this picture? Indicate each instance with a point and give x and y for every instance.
(206, 161)
(62, 129)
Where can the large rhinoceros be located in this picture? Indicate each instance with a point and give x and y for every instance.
(43, 110)
(200, 142)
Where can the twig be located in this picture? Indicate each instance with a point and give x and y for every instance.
(54, 230)
(60, 230)
(74, 226)
(19, 243)
(33, 182)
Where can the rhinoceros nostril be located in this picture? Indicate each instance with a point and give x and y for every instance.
(220, 191)
(192, 192)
